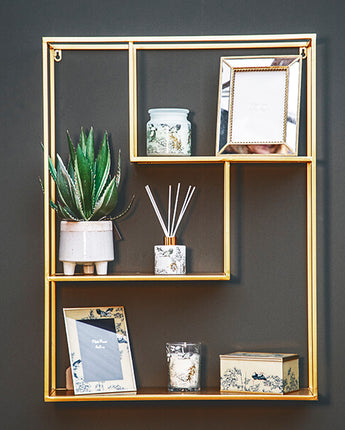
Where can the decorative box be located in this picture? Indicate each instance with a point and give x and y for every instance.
(259, 372)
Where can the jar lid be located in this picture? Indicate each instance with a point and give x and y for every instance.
(169, 111)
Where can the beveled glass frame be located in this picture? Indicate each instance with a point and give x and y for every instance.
(258, 105)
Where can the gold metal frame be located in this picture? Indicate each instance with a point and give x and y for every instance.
(52, 50)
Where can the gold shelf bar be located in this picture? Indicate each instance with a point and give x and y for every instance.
(151, 39)
(140, 277)
(233, 158)
(214, 45)
(89, 47)
(61, 395)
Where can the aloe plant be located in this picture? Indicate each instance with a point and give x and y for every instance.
(85, 189)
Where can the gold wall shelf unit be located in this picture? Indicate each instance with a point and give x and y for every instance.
(52, 52)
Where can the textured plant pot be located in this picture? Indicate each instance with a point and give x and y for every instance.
(87, 243)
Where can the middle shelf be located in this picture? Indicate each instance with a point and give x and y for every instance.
(205, 231)
(233, 158)
(141, 277)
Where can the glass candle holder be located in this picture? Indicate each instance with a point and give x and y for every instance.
(183, 366)
(168, 132)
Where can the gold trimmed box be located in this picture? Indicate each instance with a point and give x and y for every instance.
(259, 372)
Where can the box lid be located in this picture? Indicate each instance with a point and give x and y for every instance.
(259, 356)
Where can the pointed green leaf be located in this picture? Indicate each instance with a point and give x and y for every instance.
(53, 205)
(106, 204)
(118, 172)
(71, 148)
(70, 168)
(42, 184)
(82, 141)
(62, 212)
(78, 201)
(67, 190)
(90, 152)
(102, 168)
(52, 169)
(84, 181)
(125, 211)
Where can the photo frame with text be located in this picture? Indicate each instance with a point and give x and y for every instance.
(258, 105)
(99, 350)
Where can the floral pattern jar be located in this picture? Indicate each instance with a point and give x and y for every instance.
(168, 132)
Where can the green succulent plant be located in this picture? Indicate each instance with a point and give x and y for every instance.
(85, 189)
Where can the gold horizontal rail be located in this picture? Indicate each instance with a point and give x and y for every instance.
(89, 47)
(140, 277)
(214, 45)
(62, 395)
(234, 158)
(171, 39)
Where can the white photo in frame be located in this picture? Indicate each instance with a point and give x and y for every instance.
(258, 105)
(99, 350)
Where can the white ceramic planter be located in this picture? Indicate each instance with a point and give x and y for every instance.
(87, 243)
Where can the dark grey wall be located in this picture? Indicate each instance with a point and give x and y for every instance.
(261, 308)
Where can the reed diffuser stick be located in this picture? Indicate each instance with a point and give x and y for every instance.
(169, 209)
(155, 207)
(170, 228)
(175, 208)
(183, 210)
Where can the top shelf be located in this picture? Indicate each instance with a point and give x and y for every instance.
(233, 158)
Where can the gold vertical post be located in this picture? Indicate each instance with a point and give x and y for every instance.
(46, 220)
(132, 88)
(52, 152)
(227, 219)
(315, 383)
(311, 216)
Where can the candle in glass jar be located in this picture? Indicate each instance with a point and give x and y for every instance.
(168, 132)
(184, 366)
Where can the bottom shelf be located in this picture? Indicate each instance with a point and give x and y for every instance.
(143, 394)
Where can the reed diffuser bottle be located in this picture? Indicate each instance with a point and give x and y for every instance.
(170, 258)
